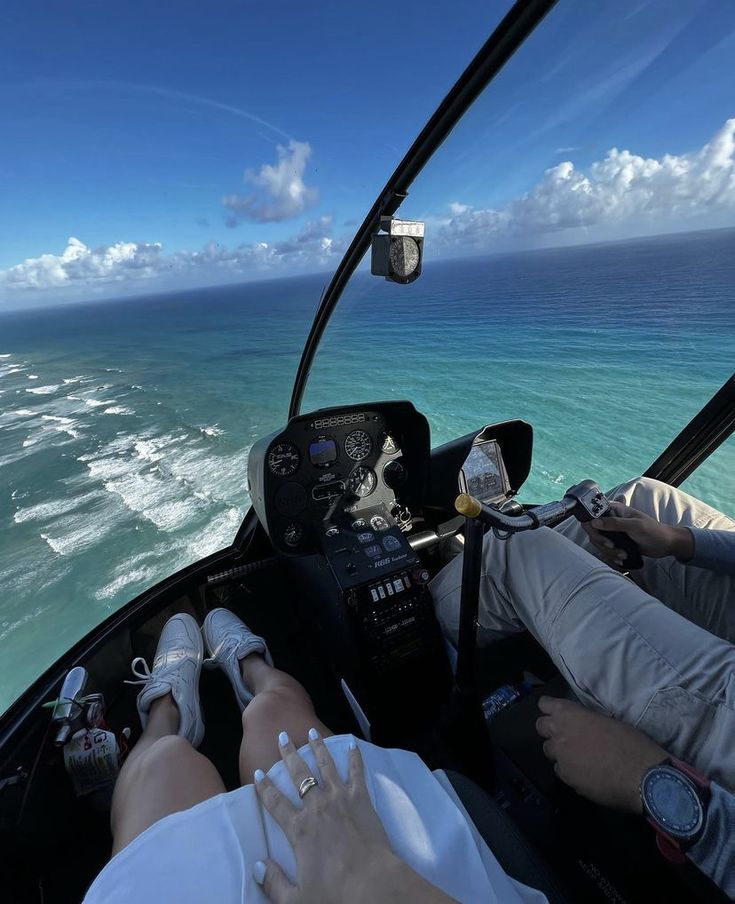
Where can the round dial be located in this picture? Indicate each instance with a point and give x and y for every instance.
(283, 460)
(294, 534)
(358, 445)
(394, 474)
(363, 481)
(389, 444)
(404, 255)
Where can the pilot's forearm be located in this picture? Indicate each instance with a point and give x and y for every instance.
(713, 549)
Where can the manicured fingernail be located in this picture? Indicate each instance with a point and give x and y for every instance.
(283, 739)
(259, 872)
(259, 775)
(352, 745)
(313, 734)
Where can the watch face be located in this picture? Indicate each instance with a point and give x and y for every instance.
(672, 802)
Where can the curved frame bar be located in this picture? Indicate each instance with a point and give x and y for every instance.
(517, 25)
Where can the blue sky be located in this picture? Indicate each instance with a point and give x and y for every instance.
(188, 143)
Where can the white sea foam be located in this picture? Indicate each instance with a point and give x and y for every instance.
(156, 500)
(145, 576)
(79, 379)
(46, 511)
(118, 409)
(220, 532)
(32, 376)
(8, 370)
(44, 390)
(6, 356)
(214, 430)
(76, 533)
(97, 403)
(54, 424)
(62, 424)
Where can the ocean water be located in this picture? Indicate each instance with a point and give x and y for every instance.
(125, 426)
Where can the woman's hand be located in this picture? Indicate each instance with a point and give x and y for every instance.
(601, 758)
(654, 539)
(341, 848)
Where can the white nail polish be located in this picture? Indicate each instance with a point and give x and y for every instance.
(259, 872)
(283, 739)
(259, 775)
(313, 734)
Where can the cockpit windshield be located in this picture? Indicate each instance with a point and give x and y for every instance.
(578, 251)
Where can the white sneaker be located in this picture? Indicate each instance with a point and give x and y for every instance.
(229, 640)
(176, 670)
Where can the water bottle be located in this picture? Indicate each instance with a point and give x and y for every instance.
(503, 697)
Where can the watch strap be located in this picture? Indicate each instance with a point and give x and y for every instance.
(701, 781)
(673, 849)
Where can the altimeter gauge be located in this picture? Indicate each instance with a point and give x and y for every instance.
(283, 460)
(363, 481)
(358, 445)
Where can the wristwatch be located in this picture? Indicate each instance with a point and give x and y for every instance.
(675, 798)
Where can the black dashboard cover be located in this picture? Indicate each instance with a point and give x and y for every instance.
(515, 439)
(318, 452)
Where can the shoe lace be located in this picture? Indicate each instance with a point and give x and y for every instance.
(223, 654)
(139, 667)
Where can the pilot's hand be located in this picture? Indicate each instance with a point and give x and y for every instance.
(341, 848)
(654, 539)
(602, 758)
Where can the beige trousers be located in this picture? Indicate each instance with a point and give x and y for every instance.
(651, 660)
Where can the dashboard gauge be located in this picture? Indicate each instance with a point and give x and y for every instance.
(358, 445)
(283, 460)
(378, 522)
(363, 481)
(388, 444)
(294, 534)
(290, 499)
(394, 474)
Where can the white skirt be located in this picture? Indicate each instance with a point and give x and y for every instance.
(207, 853)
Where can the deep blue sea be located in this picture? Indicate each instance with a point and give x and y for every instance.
(125, 426)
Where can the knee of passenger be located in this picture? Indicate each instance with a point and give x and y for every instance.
(266, 707)
(163, 753)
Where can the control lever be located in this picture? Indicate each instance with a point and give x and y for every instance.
(621, 540)
(336, 511)
(585, 501)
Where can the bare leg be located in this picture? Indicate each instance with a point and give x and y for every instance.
(162, 775)
(280, 704)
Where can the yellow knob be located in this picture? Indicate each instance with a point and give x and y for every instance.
(467, 505)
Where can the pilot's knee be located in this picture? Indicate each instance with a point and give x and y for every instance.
(640, 493)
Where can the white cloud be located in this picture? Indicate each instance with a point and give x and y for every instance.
(457, 209)
(80, 264)
(622, 190)
(280, 191)
(124, 265)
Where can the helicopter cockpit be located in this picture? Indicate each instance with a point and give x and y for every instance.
(414, 428)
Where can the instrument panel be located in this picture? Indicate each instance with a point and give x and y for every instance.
(335, 467)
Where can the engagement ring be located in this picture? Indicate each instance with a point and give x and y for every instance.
(306, 785)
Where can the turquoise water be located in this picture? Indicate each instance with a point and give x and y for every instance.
(125, 427)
